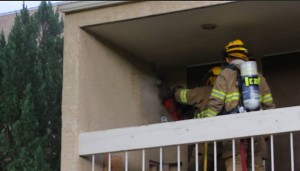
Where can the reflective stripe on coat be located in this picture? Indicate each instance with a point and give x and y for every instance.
(226, 93)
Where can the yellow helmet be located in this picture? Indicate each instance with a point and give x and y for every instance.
(213, 74)
(236, 49)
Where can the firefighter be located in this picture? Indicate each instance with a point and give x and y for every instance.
(198, 97)
(225, 98)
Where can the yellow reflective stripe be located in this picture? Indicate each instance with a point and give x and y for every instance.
(183, 94)
(209, 113)
(198, 115)
(267, 98)
(247, 81)
(218, 94)
(232, 97)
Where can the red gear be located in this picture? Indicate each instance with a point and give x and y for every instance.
(171, 107)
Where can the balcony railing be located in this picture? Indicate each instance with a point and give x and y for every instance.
(194, 131)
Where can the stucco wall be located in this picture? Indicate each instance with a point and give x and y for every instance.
(105, 87)
(109, 89)
(114, 90)
(6, 23)
(135, 10)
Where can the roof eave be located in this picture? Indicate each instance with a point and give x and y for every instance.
(85, 5)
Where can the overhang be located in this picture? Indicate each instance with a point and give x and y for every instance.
(85, 5)
(177, 39)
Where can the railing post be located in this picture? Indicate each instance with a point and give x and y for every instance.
(143, 162)
(93, 163)
(292, 151)
(160, 159)
(272, 152)
(109, 161)
(126, 160)
(233, 154)
(215, 156)
(252, 153)
(196, 157)
(178, 157)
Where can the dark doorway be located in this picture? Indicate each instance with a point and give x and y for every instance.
(282, 74)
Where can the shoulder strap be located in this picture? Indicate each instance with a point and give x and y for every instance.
(233, 67)
(239, 83)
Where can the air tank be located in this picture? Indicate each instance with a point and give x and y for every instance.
(250, 85)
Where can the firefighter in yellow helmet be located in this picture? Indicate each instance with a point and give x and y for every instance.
(226, 95)
(236, 50)
(198, 97)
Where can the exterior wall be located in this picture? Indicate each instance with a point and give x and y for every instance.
(135, 10)
(6, 23)
(109, 88)
(105, 87)
(114, 90)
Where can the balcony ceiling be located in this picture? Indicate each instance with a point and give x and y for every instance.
(178, 40)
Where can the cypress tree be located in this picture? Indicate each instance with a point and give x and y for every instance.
(50, 52)
(18, 115)
(2, 125)
(2, 46)
(31, 65)
(2, 41)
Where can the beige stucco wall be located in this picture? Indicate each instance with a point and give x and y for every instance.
(6, 23)
(105, 87)
(114, 89)
(135, 10)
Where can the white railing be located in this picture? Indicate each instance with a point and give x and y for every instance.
(234, 126)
